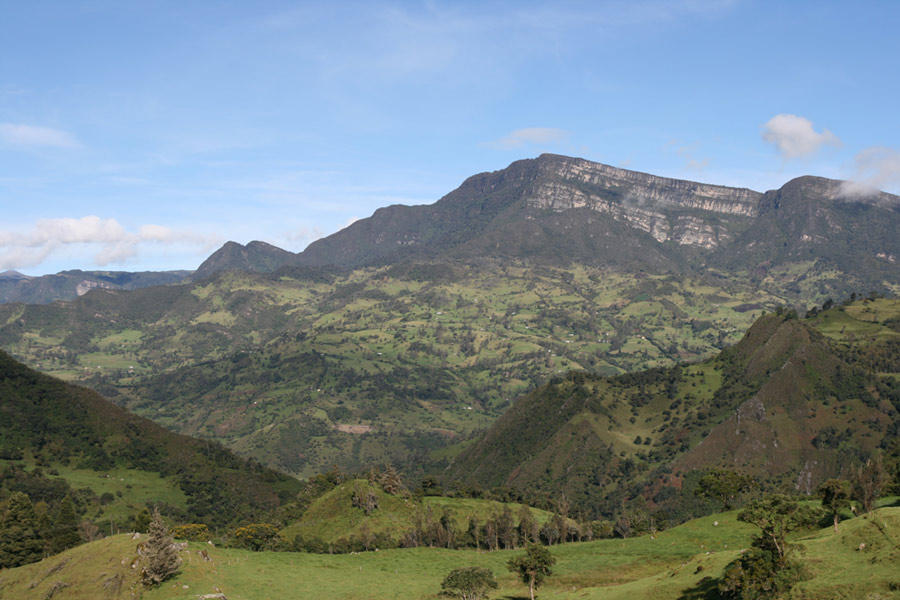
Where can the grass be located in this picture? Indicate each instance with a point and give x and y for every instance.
(132, 489)
(671, 565)
(332, 516)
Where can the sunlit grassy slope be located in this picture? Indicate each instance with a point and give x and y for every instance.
(332, 516)
(672, 565)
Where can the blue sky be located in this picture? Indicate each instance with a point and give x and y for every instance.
(142, 135)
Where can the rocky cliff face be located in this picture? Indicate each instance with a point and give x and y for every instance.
(668, 209)
(561, 209)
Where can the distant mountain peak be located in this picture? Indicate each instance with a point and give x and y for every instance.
(10, 274)
(255, 256)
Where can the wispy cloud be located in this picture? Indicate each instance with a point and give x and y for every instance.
(113, 242)
(688, 152)
(17, 134)
(876, 168)
(795, 136)
(531, 136)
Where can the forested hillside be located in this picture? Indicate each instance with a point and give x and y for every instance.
(796, 401)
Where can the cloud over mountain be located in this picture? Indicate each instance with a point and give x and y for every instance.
(795, 136)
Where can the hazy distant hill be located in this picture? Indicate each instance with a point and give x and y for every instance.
(796, 401)
(67, 285)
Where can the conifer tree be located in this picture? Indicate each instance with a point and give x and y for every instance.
(161, 559)
(64, 527)
(20, 538)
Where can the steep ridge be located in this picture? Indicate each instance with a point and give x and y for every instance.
(786, 404)
(492, 203)
(812, 219)
(256, 256)
(826, 235)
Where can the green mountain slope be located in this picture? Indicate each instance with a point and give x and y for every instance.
(255, 256)
(788, 403)
(452, 310)
(78, 431)
(305, 369)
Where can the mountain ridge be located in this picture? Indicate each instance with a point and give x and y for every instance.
(791, 403)
(561, 209)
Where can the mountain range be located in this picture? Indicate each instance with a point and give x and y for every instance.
(559, 210)
(562, 210)
(401, 337)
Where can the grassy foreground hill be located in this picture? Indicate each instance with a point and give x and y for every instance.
(51, 430)
(675, 564)
(333, 516)
(794, 402)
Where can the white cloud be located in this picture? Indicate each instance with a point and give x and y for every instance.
(876, 168)
(795, 136)
(16, 134)
(113, 242)
(531, 135)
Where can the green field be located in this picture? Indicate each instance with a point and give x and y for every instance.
(670, 565)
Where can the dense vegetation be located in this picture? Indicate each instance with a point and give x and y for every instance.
(53, 433)
(305, 369)
(795, 402)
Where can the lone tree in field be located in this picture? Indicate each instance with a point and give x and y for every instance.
(533, 567)
(767, 569)
(161, 559)
(469, 583)
(835, 495)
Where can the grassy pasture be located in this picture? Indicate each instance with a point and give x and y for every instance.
(671, 565)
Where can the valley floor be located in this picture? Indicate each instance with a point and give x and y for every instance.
(673, 564)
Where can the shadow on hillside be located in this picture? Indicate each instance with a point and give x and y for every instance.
(706, 589)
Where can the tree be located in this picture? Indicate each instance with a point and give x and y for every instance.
(20, 539)
(533, 566)
(835, 495)
(767, 570)
(64, 528)
(159, 554)
(868, 481)
(724, 486)
(529, 530)
(257, 536)
(469, 583)
(141, 521)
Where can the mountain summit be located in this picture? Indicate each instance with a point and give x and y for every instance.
(562, 209)
(550, 206)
